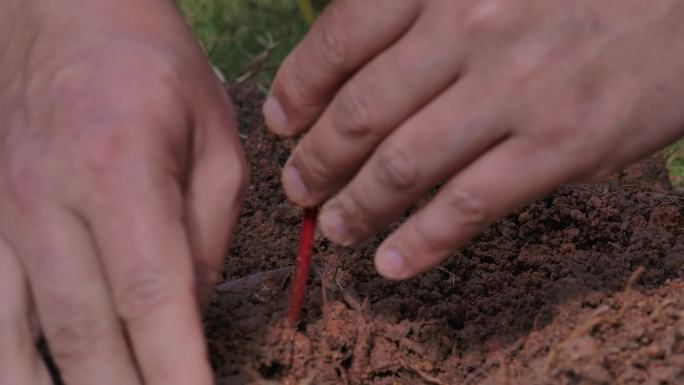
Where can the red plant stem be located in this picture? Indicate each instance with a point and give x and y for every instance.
(303, 264)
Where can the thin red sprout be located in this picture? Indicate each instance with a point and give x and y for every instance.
(303, 264)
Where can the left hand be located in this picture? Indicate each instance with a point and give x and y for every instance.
(501, 100)
(121, 179)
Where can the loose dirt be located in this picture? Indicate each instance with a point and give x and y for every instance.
(583, 286)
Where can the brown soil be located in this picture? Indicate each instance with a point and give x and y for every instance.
(583, 286)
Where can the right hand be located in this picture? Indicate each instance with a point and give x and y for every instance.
(496, 101)
(121, 177)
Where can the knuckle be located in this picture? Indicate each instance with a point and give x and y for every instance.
(330, 44)
(23, 181)
(468, 209)
(397, 169)
(238, 177)
(234, 178)
(352, 113)
(487, 17)
(27, 182)
(425, 241)
(355, 212)
(102, 158)
(87, 86)
(154, 100)
(74, 332)
(72, 85)
(294, 88)
(102, 148)
(142, 293)
(313, 166)
(563, 128)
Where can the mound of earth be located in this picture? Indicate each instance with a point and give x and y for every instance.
(583, 286)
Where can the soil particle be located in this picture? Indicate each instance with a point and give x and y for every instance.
(543, 296)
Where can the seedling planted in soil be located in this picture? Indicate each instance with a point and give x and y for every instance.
(303, 264)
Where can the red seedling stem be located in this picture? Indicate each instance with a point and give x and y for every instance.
(303, 264)
(306, 237)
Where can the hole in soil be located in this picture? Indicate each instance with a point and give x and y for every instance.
(573, 378)
(271, 370)
(346, 363)
(457, 323)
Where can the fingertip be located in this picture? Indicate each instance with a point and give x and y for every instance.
(275, 117)
(295, 188)
(392, 264)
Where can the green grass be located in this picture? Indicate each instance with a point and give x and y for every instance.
(236, 33)
(674, 160)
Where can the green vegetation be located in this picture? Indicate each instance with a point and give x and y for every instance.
(248, 37)
(307, 9)
(674, 159)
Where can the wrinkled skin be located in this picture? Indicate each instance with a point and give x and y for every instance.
(499, 100)
(121, 177)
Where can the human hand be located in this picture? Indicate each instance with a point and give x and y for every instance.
(500, 100)
(121, 177)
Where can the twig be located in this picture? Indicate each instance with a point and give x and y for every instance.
(254, 280)
(452, 276)
(631, 281)
(600, 315)
(256, 65)
(615, 245)
(633, 278)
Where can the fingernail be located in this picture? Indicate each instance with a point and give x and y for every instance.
(294, 185)
(275, 117)
(391, 264)
(334, 227)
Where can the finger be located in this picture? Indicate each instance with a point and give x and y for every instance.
(503, 179)
(138, 226)
(73, 302)
(374, 102)
(344, 38)
(20, 362)
(432, 145)
(217, 188)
